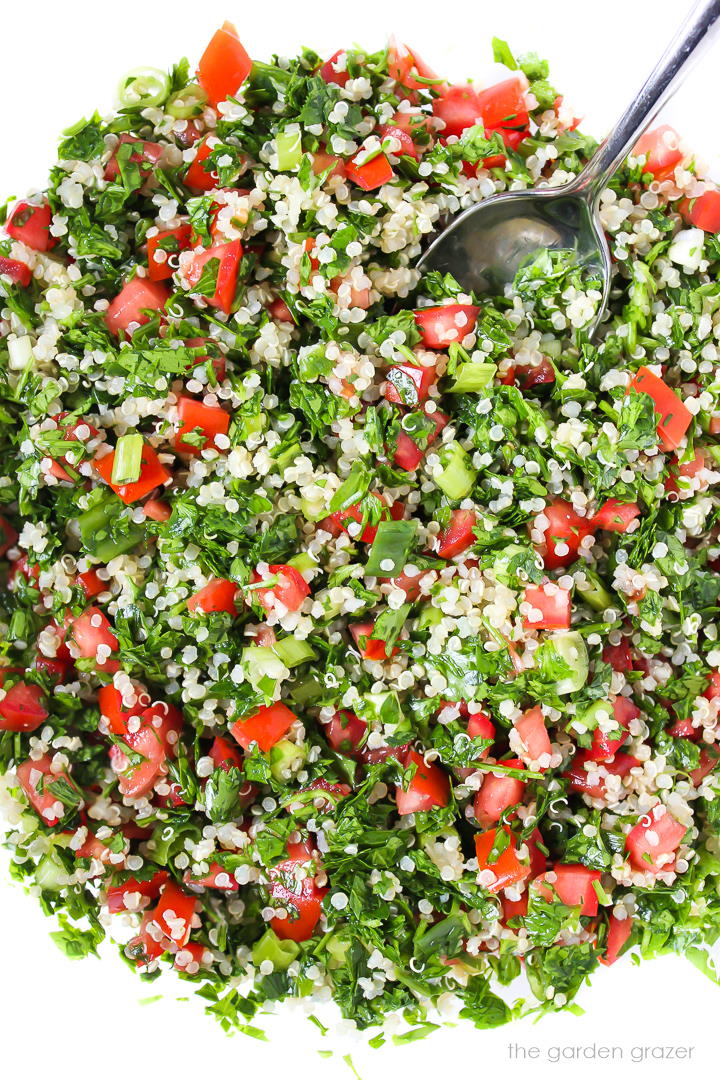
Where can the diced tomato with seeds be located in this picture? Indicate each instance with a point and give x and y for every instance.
(661, 149)
(528, 376)
(228, 256)
(345, 732)
(703, 211)
(218, 595)
(18, 272)
(117, 895)
(290, 589)
(533, 733)
(265, 727)
(130, 305)
(91, 630)
(35, 778)
(674, 417)
(329, 71)
(170, 242)
(137, 779)
(603, 745)
(428, 788)
(152, 474)
(224, 755)
(174, 913)
(565, 531)
(372, 174)
(144, 153)
(572, 885)
(619, 931)
(409, 384)
(407, 146)
(409, 583)
(615, 516)
(23, 707)
(200, 177)
(224, 66)
(8, 535)
(370, 648)
(498, 793)
(459, 534)
(507, 868)
(30, 225)
(459, 108)
(551, 607)
(444, 324)
(293, 887)
(211, 420)
(655, 837)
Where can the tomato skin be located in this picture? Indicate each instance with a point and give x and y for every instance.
(329, 73)
(707, 764)
(279, 311)
(429, 787)
(573, 886)
(30, 774)
(265, 727)
(224, 66)
(498, 793)
(229, 256)
(218, 595)
(589, 783)
(150, 889)
(159, 269)
(619, 930)
(199, 178)
(211, 419)
(619, 657)
(398, 392)
(373, 648)
(480, 726)
(508, 869)
(302, 898)
(345, 732)
(459, 534)
(407, 454)
(533, 733)
(224, 755)
(703, 211)
(22, 708)
(210, 880)
(157, 510)
(166, 722)
(321, 161)
(401, 61)
(90, 583)
(136, 296)
(290, 590)
(615, 516)
(407, 146)
(675, 418)
(372, 175)
(30, 225)
(146, 156)
(152, 474)
(344, 519)
(603, 746)
(459, 107)
(174, 913)
(90, 630)
(645, 855)
(16, 271)
(444, 324)
(8, 536)
(554, 604)
(134, 781)
(115, 712)
(687, 470)
(503, 108)
(661, 149)
(565, 526)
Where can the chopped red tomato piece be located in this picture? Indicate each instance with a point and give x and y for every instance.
(157, 510)
(372, 174)
(619, 930)
(408, 384)
(407, 146)
(166, 721)
(588, 777)
(265, 727)
(707, 764)
(619, 657)
(218, 595)
(22, 708)
(661, 150)
(459, 534)
(505, 866)
(144, 153)
(687, 470)
(228, 257)
(572, 884)
(90, 583)
(652, 843)
(113, 708)
(174, 913)
(345, 732)
(565, 531)
(18, 272)
(279, 311)
(498, 793)
(615, 516)
(533, 734)
(162, 246)
(8, 536)
(333, 70)
(289, 590)
(91, 632)
(224, 66)
(217, 877)
(125, 897)
(603, 745)
(459, 108)
(402, 61)
(480, 726)
(704, 211)
(428, 788)
(346, 519)
(30, 225)
(152, 474)
(201, 177)
(293, 888)
(441, 326)
(407, 454)
(369, 648)
(322, 161)
(136, 779)
(208, 420)
(224, 755)
(137, 296)
(503, 108)
(551, 606)
(674, 417)
(36, 779)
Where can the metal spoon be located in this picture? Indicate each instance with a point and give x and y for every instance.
(484, 246)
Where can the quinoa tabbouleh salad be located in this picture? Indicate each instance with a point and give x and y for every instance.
(359, 635)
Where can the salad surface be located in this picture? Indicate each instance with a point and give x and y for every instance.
(358, 635)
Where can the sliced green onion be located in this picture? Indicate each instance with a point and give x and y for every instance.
(293, 652)
(289, 149)
(472, 377)
(303, 561)
(457, 475)
(127, 463)
(143, 87)
(353, 487)
(390, 549)
(188, 102)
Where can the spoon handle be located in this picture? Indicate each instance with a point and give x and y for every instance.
(659, 86)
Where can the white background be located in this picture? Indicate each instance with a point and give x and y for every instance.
(61, 60)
